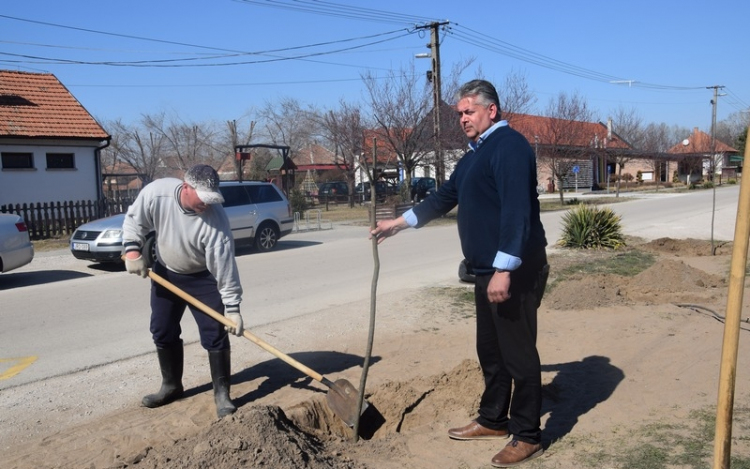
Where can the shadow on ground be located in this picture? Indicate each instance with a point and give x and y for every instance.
(279, 374)
(26, 279)
(576, 389)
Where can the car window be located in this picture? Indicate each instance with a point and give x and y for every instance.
(234, 196)
(263, 193)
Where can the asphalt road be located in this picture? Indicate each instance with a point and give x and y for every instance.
(63, 315)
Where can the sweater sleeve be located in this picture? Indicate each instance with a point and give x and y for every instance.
(221, 263)
(439, 203)
(515, 171)
(138, 221)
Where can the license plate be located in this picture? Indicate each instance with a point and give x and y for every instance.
(80, 247)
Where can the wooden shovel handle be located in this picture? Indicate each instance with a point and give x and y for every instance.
(248, 335)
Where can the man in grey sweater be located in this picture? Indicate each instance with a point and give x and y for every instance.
(195, 252)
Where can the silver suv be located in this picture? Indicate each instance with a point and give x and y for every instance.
(259, 215)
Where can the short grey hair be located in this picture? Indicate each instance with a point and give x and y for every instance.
(482, 89)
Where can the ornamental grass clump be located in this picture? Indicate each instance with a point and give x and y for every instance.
(587, 227)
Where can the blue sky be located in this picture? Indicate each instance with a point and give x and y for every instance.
(672, 50)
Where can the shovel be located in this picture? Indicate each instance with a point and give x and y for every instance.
(341, 395)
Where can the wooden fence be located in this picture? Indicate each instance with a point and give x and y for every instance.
(55, 219)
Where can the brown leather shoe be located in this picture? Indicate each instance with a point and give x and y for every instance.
(474, 431)
(517, 452)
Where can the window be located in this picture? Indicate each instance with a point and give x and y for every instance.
(61, 161)
(263, 193)
(17, 160)
(234, 196)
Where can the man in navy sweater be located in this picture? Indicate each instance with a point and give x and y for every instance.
(502, 237)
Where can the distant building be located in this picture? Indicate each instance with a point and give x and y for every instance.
(49, 143)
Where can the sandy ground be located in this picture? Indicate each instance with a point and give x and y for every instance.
(619, 354)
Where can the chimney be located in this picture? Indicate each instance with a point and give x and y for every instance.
(609, 128)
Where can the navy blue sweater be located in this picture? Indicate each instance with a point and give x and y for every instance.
(494, 187)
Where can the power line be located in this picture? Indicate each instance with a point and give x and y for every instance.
(469, 36)
(324, 8)
(230, 85)
(106, 33)
(167, 63)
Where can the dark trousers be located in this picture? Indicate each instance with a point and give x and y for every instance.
(506, 347)
(167, 309)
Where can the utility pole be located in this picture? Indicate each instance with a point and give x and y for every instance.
(714, 103)
(434, 77)
(712, 161)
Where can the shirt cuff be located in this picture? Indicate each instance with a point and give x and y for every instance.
(410, 217)
(506, 261)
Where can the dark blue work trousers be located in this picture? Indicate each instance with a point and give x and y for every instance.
(506, 347)
(167, 309)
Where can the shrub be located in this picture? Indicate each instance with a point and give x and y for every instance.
(708, 184)
(590, 227)
(732, 181)
(298, 201)
(639, 177)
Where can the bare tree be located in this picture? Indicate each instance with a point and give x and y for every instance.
(288, 123)
(655, 140)
(233, 137)
(733, 129)
(515, 96)
(565, 136)
(344, 129)
(187, 143)
(628, 125)
(400, 102)
(141, 149)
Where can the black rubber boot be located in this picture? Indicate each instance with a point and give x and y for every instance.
(171, 363)
(221, 370)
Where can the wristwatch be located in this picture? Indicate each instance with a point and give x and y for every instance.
(501, 271)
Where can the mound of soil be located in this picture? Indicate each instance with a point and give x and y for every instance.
(259, 436)
(687, 247)
(668, 280)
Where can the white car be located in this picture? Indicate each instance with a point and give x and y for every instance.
(16, 249)
(259, 214)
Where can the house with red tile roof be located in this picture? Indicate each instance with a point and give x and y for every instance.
(575, 154)
(699, 156)
(49, 143)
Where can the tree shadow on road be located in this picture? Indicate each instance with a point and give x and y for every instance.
(40, 277)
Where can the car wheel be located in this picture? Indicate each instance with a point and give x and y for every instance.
(266, 237)
(465, 272)
(149, 251)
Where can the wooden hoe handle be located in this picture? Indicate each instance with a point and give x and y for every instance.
(248, 335)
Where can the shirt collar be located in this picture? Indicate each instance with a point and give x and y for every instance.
(474, 145)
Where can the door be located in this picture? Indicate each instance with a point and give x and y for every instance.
(242, 212)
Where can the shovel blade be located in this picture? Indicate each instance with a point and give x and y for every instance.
(342, 398)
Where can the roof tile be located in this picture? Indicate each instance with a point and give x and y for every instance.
(38, 105)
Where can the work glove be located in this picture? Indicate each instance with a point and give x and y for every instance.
(232, 312)
(137, 266)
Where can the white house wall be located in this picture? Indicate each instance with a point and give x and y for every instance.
(40, 184)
